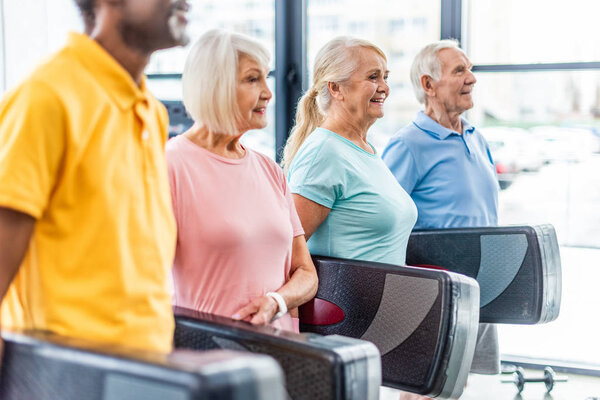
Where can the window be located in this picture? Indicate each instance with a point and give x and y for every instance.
(39, 27)
(532, 31)
(251, 17)
(255, 18)
(399, 28)
(543, 125)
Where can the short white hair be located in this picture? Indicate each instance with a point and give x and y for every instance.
(427, 62)
(210, 78)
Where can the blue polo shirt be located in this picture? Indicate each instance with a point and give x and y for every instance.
(450, 177)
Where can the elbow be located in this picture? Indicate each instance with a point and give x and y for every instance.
(314, 286)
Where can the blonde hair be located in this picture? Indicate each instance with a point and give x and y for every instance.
(426, 62)
(209, 78)
(335, 62)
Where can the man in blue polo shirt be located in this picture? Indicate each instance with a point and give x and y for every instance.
(445, 164)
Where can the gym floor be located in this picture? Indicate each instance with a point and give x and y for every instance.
(490, 387)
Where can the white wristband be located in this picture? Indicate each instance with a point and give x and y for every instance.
(280, 303)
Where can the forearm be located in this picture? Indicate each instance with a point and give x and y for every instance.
(15, 232)
(301, 287)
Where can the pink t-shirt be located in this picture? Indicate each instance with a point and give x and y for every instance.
(236, 221)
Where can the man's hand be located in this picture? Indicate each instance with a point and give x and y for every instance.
(259, 311)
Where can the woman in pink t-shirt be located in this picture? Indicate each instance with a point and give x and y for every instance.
(241, 250)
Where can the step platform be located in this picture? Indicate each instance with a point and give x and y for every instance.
(43, 366)
(517, 267)
(424, 322)
(315, 367)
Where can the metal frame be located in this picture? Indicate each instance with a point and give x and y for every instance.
(451, 20)
(290, 66)
(569, 66)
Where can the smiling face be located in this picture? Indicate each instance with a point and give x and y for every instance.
(253, 94)
(453, 90)
(366, 90)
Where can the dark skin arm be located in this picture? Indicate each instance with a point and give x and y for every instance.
(16, 229)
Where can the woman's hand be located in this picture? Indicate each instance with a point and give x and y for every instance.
(259, 311)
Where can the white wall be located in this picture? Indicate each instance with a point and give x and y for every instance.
(32, 30)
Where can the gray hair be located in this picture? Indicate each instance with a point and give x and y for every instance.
(426, 62)
(209, 78)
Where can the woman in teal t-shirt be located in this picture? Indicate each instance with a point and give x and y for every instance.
(350, 204)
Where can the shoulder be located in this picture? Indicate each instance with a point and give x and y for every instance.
(60, 71)
(175, 151)
(326, 146)
(265, 162)
(409, 136)
(406, 140)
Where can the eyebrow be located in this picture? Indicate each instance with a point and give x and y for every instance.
(387, 71)
(254, 69)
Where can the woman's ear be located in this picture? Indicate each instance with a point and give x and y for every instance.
(428, 85)
(335, 90)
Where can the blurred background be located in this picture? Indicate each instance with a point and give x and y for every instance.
(537, 101)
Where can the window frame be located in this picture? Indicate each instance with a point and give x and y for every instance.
(291, 80)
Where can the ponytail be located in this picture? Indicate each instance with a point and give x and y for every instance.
(335, 62)
(308, 118)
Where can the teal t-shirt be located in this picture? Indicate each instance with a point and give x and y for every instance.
(371, 215)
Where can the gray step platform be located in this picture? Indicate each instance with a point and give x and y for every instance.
(517, 267)
(316, 367)
(424, 322)
(44, 366)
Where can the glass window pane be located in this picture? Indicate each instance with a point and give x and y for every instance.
(544, 132)
(399, 28)
(32, 30)
(531, 31)
(255, 18)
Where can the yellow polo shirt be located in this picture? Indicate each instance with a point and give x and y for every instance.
(82, 151)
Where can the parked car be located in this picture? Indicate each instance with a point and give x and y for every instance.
(570, 144)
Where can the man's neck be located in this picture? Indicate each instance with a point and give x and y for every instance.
(450, 120)
(132, 60)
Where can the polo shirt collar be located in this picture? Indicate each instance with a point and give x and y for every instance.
(117, 82)
(428, 125)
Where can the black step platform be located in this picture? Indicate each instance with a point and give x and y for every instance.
(315, 366)
(424, 322)
(44, 366)
(517, 268)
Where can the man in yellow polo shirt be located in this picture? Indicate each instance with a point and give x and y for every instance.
(86, 228)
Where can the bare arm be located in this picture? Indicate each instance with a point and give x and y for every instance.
(311, 214)
(15, 232)
(300, 288)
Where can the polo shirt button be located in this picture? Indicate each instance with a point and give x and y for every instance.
(145, 135)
